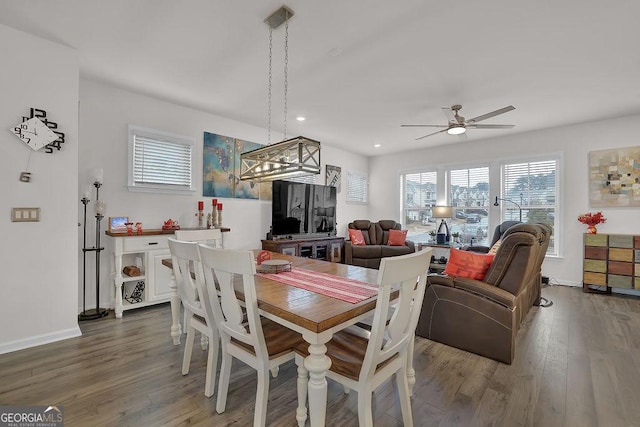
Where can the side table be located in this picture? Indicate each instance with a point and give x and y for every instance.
(439, 251)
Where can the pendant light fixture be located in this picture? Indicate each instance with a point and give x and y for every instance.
(291, 157)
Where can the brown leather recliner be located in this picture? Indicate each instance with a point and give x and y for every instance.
(483, 317)
(376, 236)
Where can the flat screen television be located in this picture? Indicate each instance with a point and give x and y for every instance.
(300, 209)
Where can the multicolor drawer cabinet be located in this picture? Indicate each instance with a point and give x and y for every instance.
(611, 261)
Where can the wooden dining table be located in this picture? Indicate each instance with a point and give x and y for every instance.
(315, 316)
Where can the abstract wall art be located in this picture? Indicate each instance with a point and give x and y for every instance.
(221, 169)
(614, 177)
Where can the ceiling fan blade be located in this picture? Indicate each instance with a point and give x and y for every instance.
(482, 126)
(448, 113)
(424, 126)
(491, 114)
(440, 131)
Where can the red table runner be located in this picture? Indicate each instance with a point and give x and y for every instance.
(348, 290)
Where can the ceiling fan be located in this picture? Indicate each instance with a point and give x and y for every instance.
(458, 125)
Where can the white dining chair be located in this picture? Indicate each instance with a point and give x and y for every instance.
(211, 237)
(260, 343)
(362, 364)
(196, 300)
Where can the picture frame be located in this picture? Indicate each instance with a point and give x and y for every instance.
(614, 177)
(333, 177)
(117, 224)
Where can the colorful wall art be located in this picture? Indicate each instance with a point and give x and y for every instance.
(614, 177)
(221, 169)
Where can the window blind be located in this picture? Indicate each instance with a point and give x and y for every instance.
(469, 187)
(357, 187)
(533, 186)
(161, 162)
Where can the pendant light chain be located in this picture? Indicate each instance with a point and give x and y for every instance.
(269, 96)
(286, 69)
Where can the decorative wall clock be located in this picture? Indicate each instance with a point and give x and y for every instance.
(37, 131)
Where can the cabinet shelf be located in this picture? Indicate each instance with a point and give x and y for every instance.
(323, 248)
(126, 279)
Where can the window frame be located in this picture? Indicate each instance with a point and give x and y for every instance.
(162, 136)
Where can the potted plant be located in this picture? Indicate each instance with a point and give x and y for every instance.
(456, 236)
(432, 233)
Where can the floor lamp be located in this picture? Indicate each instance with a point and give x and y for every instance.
(510, 201)
(94, 313)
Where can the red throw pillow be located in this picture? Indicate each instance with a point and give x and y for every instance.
(397, 237)
(468, 264)
(356, 237)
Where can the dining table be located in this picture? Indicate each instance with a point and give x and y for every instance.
(314, 315)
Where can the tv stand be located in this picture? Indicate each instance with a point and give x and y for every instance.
(324, 248)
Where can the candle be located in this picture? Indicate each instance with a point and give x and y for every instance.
(214, 202)
(219, 206)
(200, 205)
(86, 193)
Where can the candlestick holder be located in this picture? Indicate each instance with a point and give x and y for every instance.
(200, 215)
(94, 313)
(219, 216)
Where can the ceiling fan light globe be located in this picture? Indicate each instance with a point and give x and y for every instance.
(456, 130)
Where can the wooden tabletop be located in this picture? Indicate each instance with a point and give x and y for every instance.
(314, 312)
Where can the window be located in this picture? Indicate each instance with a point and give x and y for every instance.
(159, 161)
(530, 194)
(469, 196)
(419, 191)
(357, 187)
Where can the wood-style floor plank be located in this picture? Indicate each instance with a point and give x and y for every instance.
(577, 364)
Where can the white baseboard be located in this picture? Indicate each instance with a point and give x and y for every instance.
(39, 340)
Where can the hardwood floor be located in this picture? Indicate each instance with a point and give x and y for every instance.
(577, 364)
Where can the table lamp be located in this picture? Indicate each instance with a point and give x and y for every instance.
(443, 235)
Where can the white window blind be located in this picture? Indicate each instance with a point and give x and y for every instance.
(469, 187)
(357, 187)
(534, 187)
(159, 161)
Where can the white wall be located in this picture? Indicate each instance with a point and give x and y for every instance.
(573, 142)
(105, 114)
(39, 289)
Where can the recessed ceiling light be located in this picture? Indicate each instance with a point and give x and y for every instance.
(377, 145)
(301, 118)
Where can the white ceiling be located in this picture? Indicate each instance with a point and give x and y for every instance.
(557, 62)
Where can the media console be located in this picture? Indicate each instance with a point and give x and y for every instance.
(324, 248)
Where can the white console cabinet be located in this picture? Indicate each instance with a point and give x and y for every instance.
(148, 250)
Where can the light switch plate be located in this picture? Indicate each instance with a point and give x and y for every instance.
(25, 214)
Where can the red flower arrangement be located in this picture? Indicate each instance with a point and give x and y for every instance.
(592, 220)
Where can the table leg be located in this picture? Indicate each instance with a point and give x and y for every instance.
(317, 363)
(176, 329)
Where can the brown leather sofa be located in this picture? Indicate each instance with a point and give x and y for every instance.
(376, 236)
(483, 317)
